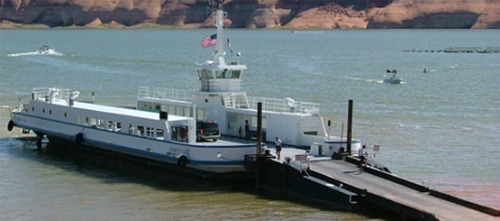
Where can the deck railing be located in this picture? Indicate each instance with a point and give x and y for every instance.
(44, 93)
(235, 100)
(164, 93)
(284, 105)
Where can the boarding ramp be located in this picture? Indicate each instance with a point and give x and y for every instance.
(400, 195)
(342, 184)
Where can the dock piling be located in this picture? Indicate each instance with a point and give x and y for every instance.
(349, 126)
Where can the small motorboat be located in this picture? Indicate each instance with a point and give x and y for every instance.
(44, 49)
(426, 70)
(392, 79)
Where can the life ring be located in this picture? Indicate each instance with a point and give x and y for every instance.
(182, 161)
(10, 126)
(79, 138)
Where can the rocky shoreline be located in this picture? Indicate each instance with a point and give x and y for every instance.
(253, 14)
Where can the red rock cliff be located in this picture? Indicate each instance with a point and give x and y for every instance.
(293, 14)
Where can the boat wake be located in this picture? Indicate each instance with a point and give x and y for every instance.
(49, 52)
(363, 79)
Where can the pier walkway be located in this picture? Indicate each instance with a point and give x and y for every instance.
(342, 185)
(395, 196)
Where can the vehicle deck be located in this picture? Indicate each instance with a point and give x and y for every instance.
(225, 141)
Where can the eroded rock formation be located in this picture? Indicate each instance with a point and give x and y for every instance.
(293, 14)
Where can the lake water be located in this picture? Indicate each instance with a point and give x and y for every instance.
(440, 128)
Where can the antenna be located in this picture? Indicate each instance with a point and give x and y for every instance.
(220, 4)
(216, 3)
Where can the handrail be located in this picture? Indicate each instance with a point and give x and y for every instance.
(164, 93)
(236, 99)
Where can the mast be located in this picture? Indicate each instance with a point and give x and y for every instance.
(218, 75)
(219, 23)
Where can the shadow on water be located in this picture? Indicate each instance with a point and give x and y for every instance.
(119, 169)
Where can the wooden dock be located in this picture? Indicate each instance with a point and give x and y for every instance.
(341, 183)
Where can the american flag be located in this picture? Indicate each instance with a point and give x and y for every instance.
(209, 41)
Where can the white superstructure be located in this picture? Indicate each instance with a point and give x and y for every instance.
(220, 97)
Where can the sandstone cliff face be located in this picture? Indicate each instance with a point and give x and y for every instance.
(437, 14)
(293, 14)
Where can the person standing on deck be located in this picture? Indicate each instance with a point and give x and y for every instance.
(361, 155)
(247, 130)
(278, 145)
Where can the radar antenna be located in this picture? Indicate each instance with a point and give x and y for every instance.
(216, 3)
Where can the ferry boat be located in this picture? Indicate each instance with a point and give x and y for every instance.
(167, 131)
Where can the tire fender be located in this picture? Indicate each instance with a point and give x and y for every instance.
(78, 138)
(182, 161)
(10, 126)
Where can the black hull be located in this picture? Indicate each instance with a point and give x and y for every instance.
(177, 169)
